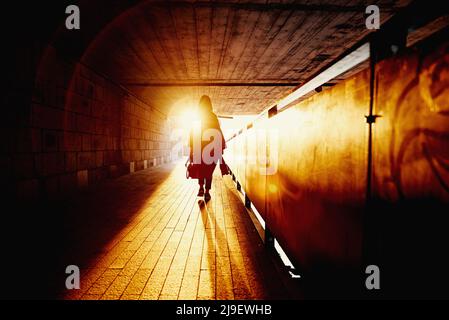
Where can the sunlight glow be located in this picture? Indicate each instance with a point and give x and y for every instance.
(272, 188)
(184, 114)
(191, 118)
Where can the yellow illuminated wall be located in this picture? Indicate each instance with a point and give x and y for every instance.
(314, 202)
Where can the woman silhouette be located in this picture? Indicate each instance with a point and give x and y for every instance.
(208, 151)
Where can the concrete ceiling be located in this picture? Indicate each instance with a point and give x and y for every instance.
(246, 55)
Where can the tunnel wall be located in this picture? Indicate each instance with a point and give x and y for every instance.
(408, 218)
(411, 139)
(301, 198)
(315, 201)
(77, 129)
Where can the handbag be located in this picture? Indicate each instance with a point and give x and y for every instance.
(192, 170)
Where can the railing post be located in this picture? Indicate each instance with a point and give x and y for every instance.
(269, 238)
(247, 202)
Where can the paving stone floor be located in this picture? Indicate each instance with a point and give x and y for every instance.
(148, 236)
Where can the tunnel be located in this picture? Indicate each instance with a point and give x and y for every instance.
(334, 116)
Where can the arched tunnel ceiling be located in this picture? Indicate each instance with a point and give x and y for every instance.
(245, 55)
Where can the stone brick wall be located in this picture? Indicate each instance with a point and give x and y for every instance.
(72, 127)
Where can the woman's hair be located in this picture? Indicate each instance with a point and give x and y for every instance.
(205, 104)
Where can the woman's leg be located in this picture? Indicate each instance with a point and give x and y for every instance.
(208, 184)
(208, 187)
(201, 191)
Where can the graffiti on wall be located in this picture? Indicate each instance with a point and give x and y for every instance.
(414, 105)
